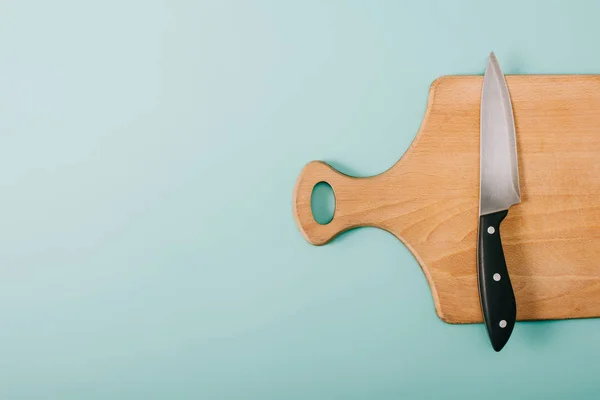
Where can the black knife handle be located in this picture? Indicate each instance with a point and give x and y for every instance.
(495, 290)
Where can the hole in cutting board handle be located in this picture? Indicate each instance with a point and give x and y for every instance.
(322, 203)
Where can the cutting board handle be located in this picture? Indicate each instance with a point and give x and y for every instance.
(351, 195)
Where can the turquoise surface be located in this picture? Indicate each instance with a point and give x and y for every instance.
(148, 154)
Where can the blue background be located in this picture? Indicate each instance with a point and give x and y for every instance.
(148, 154)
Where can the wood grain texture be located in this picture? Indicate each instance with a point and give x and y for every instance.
(429, 199)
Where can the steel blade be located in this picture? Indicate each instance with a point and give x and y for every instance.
(499, 172)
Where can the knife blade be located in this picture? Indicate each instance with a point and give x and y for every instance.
(499, 190)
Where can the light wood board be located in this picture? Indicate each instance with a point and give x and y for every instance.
(430, 198)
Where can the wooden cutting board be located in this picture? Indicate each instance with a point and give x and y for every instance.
(429, 199)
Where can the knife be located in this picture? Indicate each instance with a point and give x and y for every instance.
(499, 189)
